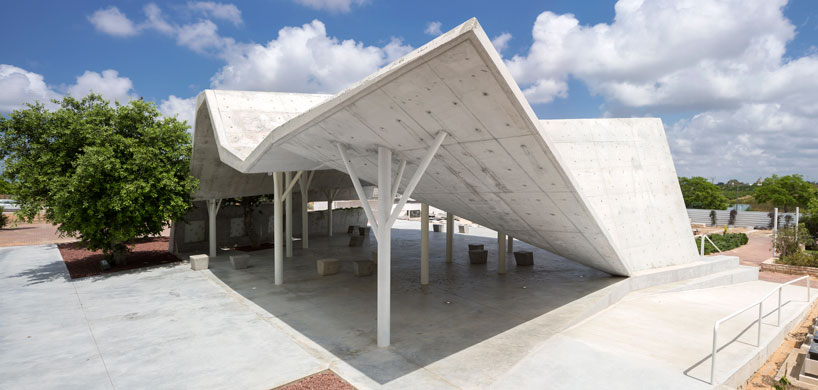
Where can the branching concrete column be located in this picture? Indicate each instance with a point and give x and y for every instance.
(288, 215)
(386, 218)
(510, 244)
(501, 253)
(449, 236)
(304, 183)
(212, 210)
(331, 194)
(278, 223)
(424, 243)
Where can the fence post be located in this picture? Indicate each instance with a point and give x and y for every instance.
(775, 229)
(797, 212)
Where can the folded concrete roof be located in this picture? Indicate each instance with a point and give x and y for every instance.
(600, 192)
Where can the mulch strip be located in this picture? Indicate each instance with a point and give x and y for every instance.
(324, 380)
(145, 252)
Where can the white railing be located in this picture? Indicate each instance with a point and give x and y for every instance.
(759, 304)
(701, 252)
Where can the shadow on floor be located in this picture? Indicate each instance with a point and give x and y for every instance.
(464, 305)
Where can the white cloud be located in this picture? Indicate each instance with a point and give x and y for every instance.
(757, 107)
(108, 84)
(156, 21)
(228, 12)
(202, 37)
(500, 42)
(181, 108)
(19, 86)
(113, 22)
(303, 59)
(433, 28)
(331, 5)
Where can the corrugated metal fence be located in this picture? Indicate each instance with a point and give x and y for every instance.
(743, 218)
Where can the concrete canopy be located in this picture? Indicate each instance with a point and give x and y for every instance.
(499, 165)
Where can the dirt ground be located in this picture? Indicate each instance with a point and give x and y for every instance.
(145, 252)
(324, 380)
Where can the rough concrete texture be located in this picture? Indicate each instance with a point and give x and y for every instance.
(159, 328)
(498, 166)
(199, 262)
(240, 261)
(327, 267)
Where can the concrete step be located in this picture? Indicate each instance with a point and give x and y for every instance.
(733, 275)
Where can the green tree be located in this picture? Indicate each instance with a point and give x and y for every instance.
(786, 192)
(104, 174)
(699, 193)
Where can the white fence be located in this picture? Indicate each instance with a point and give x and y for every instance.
(743, 218)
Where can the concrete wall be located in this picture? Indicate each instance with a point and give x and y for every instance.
(191, 235)
(624, 169)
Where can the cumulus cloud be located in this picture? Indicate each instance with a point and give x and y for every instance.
(433, 28)
(725, 60)
(228, 12)
(500, 42)
(331, 5)
(108, 84)
(19, 86)
(303, 59)
(181, 108)
(113, 22)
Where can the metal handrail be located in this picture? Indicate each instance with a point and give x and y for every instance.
(708, 239)
(760, 304)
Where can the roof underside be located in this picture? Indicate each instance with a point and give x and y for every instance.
(496, 167)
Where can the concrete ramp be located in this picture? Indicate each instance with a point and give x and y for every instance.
(499, 166)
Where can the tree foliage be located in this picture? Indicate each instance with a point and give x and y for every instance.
(698, 193)
(104, 174)
(786, 192)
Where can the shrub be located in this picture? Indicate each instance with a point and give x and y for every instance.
(787, 244)
(713, 217)
(732, 220)
(4, 219)
(725, 242)
(801, 259)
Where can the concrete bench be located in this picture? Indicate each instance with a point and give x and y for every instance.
(363, 231)
(240, 261)
(328, 267)
(524, 258)
(199, 262)
(476, 247)
(363, 268)
(356, 241)
(478, 256)
(351, 229)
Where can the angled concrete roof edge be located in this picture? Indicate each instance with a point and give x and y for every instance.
(391, 71)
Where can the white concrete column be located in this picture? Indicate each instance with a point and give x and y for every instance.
(278, 220)
(384, 245)
(449, 236)
(510, 244)
(212, 210)
(775, 229)
(501, 253)
(330, 198)
(288, 214)
(305, 225)
(424, 243)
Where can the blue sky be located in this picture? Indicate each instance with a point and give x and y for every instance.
(735, 82)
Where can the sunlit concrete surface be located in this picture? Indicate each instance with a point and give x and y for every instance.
(498, 165)
(159, 328)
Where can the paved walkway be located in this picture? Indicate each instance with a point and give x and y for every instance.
(160, 328)
(757, 250)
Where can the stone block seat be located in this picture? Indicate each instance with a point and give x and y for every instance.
(478, 256)
(363, 268)
(473, 247)
(356, 241)
(240, 261)
(524, 258)
(328, 266)
(199, 262)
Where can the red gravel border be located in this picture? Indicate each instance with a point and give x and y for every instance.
(324, 380)
(146, 252)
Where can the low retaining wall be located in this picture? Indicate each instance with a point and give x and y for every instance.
(770, 265)
(191, 234)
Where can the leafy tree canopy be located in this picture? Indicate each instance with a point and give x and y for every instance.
(786, 192)
(698, 193)
(104, 174)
